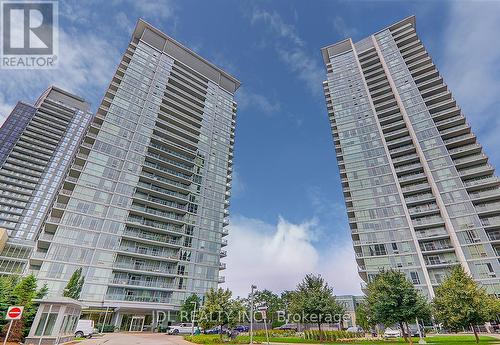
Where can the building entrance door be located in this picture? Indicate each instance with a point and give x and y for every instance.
(137, 324)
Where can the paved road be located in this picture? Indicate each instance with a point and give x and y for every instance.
(136, 339)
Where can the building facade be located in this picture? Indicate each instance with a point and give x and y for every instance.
(420, 194)
(37, 145)
(144, 207)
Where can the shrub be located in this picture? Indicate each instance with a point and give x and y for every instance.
(275, 333)
(331, 335)
(106, 329)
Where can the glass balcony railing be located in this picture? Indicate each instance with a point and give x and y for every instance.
(145, 267)
(145, 283)
(140, 234)
(134, 298)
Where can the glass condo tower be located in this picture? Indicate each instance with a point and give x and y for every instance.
(37, 143)
(420, 194)
(144, 207)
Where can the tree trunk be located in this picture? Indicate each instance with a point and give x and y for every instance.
(475, 334)
(409, 333)
(320, 333)
(403, 332)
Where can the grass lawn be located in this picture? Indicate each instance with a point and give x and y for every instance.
(438, 340)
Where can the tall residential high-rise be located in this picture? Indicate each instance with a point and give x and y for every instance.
(144, 208)
(37, 144)
(420, 194)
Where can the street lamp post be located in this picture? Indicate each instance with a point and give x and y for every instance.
(253, 287)
(193, 317)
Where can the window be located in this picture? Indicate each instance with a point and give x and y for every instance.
(415, 278)
(377, 249)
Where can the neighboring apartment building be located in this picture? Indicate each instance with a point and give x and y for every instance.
(350, 303)
(420, 194)
(37, 143)
(144, 207)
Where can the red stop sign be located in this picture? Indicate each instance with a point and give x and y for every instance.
(14, 313)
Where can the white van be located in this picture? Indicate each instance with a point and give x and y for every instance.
(182, 328)
(85, 328)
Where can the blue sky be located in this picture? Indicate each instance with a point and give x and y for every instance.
(287, 210)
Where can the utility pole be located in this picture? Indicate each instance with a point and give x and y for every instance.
(253, 287)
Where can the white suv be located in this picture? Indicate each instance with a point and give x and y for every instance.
(182, 328)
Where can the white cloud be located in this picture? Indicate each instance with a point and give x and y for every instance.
(342, 28)
(238, 186)
(293, 51)
(250, 99)
(277, 257)
(471, 64)
(276, 23)
(5, 109)
(86, 64)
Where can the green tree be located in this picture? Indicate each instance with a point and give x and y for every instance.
(219, 309)
(7, 284)
(30, 312)
(188, 308)
(392, 299)
(22, 294)
(75, 284)
(363, 317)
(461, 303)
(272, 301)
(314, 302)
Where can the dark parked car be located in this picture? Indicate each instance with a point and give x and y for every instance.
(241, 328)
(216, 330)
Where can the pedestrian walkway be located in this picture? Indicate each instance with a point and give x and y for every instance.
(136, 339)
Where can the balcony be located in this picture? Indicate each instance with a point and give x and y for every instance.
(465, 150)
(412, 178)
(221, 279)
(455, 131)
(441, 263)
(142, 267)
(427, 221)
(482, 170)
(405, 159)
(157, 253)
(415, 188)
(491, 222)
(486, 194)
(493, 207)
(155, 224)
(433, 233)
(155, 212)
(137, 234)
(470, 160)
(408, 168)
(143, 283)
(423, 209)
(133, 298)
(402, 150)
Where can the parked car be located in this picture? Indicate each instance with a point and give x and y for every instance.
(85, 328)
(414, 330)
(354, 329)
(216, 330)
(392, 333)
(182, 328)
(287, 327)
(241, 328)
